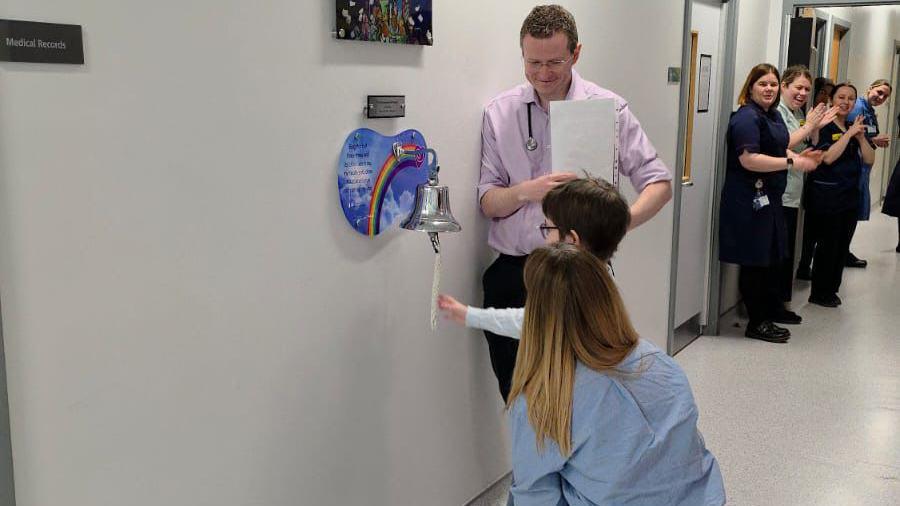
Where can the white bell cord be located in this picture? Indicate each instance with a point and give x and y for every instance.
(435, 289)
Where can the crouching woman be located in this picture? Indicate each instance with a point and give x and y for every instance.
(597, 415)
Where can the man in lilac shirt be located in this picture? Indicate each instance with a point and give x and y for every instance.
(516, 158)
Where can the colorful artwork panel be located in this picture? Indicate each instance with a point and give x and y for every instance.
(391, 21)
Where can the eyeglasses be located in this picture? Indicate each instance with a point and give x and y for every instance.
(535, 65)
(545, 229)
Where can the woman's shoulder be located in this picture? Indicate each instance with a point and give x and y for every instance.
(642, 358)
(746, 115)
(746, 111)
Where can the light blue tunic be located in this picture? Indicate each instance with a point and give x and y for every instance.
(794, 189)
(862, 106)
(634, 442)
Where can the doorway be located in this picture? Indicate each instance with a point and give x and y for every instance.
(698, 167)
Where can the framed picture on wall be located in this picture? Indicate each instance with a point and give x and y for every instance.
(389, 21)
(704, 82)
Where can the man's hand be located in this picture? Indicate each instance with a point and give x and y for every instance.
(452, 309)
(502, 202)
(534, 190)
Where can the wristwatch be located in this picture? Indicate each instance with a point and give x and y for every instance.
(790, 163)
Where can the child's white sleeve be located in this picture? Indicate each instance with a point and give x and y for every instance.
(505, 322)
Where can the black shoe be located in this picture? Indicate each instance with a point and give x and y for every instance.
(852, 261)
(897, 249)
(804, 273)
(780, 331)
(787, 317)
(825, 300)
(765, 331)
(838, 300)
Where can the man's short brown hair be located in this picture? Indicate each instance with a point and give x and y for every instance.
(545, 20)
(594, 209)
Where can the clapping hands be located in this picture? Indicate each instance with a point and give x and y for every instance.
(882, 141)
(858, 128)
(820, 115)
(808, 160)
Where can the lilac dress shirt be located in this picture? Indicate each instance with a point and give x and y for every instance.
(505, 162)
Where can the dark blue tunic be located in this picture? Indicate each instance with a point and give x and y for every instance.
(747, 236)
(891, 205)
(834, 187)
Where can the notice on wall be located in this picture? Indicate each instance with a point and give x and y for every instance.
(583, 137)
(377, 187)
(33, 42)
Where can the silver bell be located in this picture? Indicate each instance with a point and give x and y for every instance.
(431, 212)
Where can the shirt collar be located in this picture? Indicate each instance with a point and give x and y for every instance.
(867, 105)
(772, 110)
(577, 90)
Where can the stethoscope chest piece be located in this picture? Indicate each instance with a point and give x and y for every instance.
(530, 143)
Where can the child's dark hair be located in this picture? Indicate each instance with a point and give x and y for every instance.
(594, 209)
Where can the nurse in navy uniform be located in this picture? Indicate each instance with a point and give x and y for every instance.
(833, 196)
(752, 231)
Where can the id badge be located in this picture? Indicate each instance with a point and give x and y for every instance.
(760, 202)
(871, 130)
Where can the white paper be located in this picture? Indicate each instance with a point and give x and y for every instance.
(583, 137)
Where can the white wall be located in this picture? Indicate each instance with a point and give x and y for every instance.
(189, 320)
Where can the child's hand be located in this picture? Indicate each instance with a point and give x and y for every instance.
(452, 309)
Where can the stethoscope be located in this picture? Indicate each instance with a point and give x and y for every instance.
(530, 143)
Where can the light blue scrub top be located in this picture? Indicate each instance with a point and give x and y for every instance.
(634, 441)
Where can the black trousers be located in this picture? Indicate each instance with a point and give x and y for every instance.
(852, 233)
(786, 274)
(504, 286)
(834, 232)
(808, 243)
(759, 289)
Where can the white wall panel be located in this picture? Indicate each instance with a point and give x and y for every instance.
(189, 320)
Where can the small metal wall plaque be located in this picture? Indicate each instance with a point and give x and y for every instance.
(386, 106)
(33, 42)
(674, 75)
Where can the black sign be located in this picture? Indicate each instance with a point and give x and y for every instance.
(386, 106)
(27, 41)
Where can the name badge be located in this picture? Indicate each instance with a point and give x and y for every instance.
(835, 137)
(871, 130)
(760, 202)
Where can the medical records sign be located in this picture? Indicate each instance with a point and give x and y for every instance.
(31, 42)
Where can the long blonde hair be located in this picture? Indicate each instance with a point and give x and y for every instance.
(573, 313)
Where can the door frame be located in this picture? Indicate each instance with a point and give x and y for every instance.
(726, 97)
(788, 7)
(894, 127)
(7, 482)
